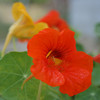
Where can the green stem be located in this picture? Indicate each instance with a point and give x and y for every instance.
(14, 44)
(73, 97)
(8, 38)
(39, 91)
(60, 96)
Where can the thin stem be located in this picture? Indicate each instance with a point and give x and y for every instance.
(39, 91)
(14, 44)
(8, 38)
(40, 85)
(60, 96)
(73, 97)
(31, 76)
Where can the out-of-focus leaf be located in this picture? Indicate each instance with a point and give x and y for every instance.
(0, 55)
(14, 69)
(96, 74)
(38, 1)
(79, 47)
(77, 34)
(93, 93)
(50, 94)
(1, 98)
(97, 29)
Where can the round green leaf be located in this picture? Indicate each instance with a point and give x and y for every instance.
(96, 74)
(97, 29)
(1, 98)
(14, 69)
(0, 55)
(93, 93)
(77, 33)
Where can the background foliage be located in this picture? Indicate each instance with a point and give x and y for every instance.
(15, 68)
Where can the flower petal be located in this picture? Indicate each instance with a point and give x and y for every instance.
(77, 80)
(51, 18)
(61, 24)
(39, 26)
(23, 40)
(50, 39)
(16, 8)
(19, 10)
(42, 43)
(81, 58)
(51, 76)
(66, 43)
(97, 58)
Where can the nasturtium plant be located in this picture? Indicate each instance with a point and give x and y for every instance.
(96, 74)
(0, 55)
(1, 98)
(57, 60)
(93, 93)
(77, 33)
(79, 47)
(97, 29)
(14, 69)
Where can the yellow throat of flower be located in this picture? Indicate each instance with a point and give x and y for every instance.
(56, 60)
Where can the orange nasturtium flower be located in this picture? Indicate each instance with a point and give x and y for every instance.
(58, 63)
(24, 27)
(54, 21)
(97, 58)
(51, 18)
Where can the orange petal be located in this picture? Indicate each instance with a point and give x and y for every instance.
(97, 58)
(51, 18)
(66, 43)
(82, 59)
(40, 44)
(51, 76)
(77, 80)
(62, 24)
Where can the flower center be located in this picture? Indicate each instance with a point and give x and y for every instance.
(53, 56)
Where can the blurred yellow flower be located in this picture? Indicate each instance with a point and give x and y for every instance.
(24, 27)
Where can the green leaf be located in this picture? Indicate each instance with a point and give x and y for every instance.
(77, 34)
(79, 47)
(96, 74)
(1, 98)
(0, 55)
(93, 93)
(97, 29)
(14, 69)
